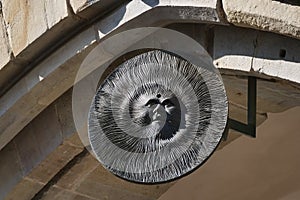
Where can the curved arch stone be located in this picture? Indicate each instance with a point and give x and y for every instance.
(55, 74)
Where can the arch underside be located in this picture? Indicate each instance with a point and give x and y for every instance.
(44, 90)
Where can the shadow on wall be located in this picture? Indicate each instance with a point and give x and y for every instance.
(266, 167)
(292, 2)
(108, 24)
(111, 22)
(151, 3)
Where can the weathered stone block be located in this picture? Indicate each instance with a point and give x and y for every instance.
(10, 169)
(56, 193)
(39, 139)
(234, 48)
(35, 26)
(264, 14)
(138, 13)
(25, 20)
(30, 95)
(115, 188)
(89, 170)
(25, 189)
(74, 140)
(47, 122)
(55, 11)
(198, 32)
(30, 154)
(4, 44)
(91, 186)
(54, 163)
(76, 175)
(278, 56)
(63, 107)
(79, 5)
(265, 53)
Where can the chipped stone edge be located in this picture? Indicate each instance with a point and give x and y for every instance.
(249, 20)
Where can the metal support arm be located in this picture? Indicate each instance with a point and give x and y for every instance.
(250, 128)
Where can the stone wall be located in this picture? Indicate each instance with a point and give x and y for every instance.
(42, 44)
(47, 159)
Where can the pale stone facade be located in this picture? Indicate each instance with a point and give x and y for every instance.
(42, 44)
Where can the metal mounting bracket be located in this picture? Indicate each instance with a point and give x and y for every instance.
(250, 128)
